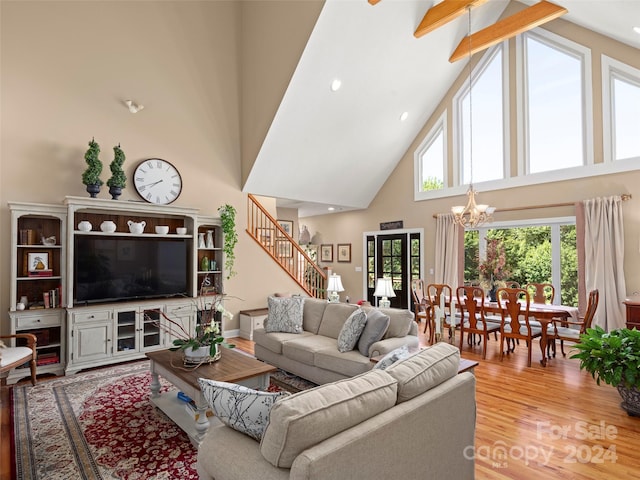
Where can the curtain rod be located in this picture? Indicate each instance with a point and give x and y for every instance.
(624, 197)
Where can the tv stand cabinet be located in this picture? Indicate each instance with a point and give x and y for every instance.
(74, 337)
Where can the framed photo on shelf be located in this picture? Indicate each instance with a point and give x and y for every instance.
(287, 226)
(284, 249)
(36, 264)
(344, 252)
(326, 252)
(265, 236)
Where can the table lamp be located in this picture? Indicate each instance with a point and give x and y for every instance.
(384, 290)
(333, 287)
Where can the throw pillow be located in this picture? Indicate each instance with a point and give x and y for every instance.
(285, 314)
(239, 407)
(377, 324)
(392, 357)
(351, 330)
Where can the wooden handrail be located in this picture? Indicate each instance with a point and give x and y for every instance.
(279, 245)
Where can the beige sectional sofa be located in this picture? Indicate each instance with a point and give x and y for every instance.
(414, 420)
(313, 353)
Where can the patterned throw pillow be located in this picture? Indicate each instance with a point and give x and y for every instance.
(285, 315)
(351, 330)
(392, 357)
(241, 408)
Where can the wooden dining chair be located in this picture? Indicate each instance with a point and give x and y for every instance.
(541, 292)
(451, 321)
(421, 304)
(516, 320)
(509, 284)
(570, 331)
(471, 304)
(12, 357)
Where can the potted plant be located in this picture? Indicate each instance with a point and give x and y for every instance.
(201, 345)
(228, 221)
(91, 176)
(118, 179)
(493, 269)
(613, 357)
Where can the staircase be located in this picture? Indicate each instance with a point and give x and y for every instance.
(284, 250)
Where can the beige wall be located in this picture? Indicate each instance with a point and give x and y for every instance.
(395, 199)
(68, 66)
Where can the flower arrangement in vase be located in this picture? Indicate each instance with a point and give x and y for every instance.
(202, 345)
(493, 270)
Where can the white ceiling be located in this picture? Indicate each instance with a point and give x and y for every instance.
(336, 149)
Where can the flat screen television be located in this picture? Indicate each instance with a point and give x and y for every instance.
(109, 269)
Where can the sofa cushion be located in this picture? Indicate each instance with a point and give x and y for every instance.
(274, 340)
(239, 407)
(351, 331)
(333, 318)
(374, 329)
(313, 311)
(349, 364)
(304, 349)
(285, 315)
(425, 370)
(399, 322)
(311, 416)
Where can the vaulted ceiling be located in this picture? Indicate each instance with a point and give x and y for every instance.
(337, 148)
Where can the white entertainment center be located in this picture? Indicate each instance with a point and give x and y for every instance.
(76, 334)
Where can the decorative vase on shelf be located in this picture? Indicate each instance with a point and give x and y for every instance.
(115, 192)
(204, 264)
(93, 190)
(201, 243)
(209, 238)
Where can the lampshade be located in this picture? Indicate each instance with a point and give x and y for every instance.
(384, 289)
(333, 287)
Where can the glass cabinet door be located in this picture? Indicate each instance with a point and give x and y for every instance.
(126, 331)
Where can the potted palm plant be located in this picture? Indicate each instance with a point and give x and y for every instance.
(614, 358)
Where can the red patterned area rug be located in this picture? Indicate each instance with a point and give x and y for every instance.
(101, 425)
(98, 425)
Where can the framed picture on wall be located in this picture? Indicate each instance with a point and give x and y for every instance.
(326, 252)
(287, 226)
(344, 252)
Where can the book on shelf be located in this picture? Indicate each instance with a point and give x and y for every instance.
(47, 272)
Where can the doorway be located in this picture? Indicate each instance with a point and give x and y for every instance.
(396, 255)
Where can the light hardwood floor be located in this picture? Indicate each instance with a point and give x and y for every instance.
(532, 423)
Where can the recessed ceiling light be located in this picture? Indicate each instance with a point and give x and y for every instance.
(335, 85)
(404, 116)
(331, 209)
(637, 30)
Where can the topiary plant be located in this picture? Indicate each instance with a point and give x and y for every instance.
(118, 178)
(91, 175)
(228, 220)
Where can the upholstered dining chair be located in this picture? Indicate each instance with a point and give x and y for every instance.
(421, 304)
(471, 304)
(570, 331)
(434, 291)
(12, 357)
(516, 320)
(541, 292)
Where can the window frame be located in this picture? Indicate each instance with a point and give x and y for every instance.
(577, 51)
(439, 126)
(476, 72)
(611, 69)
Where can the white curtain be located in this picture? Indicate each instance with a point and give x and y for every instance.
(604, 259)
(447, 251)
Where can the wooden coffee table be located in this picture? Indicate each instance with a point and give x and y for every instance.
(233, 367)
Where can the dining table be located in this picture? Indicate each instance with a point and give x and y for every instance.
(545, 313)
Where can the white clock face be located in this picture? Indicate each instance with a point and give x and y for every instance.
(157, 181)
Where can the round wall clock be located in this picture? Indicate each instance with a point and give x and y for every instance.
(157, 181)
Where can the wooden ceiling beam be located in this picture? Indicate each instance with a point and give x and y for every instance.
(522, 21)
(442, 13)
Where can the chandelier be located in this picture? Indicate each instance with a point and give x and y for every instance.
(473, 214)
